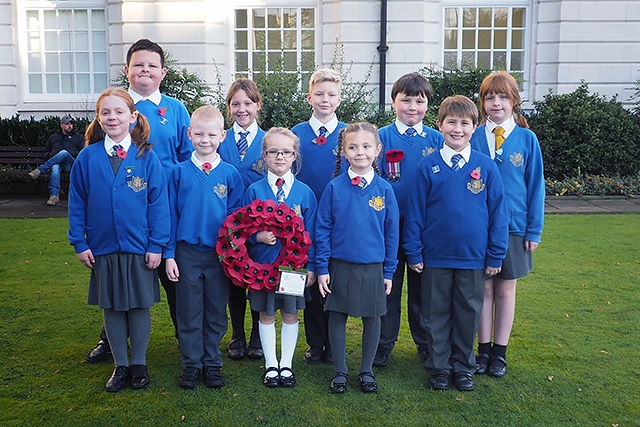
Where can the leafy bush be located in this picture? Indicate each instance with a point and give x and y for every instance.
(583, 133)
(595, 185)
(34, 133)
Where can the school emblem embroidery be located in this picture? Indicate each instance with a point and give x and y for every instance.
(259, 166)
(517, 159)
(427, 151)
(220, 190)
(137, 183)
(475, 186)
(335, 151)
(298, 210)
(377, 202)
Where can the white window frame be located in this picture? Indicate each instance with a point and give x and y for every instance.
(522, 73)
(72, 54)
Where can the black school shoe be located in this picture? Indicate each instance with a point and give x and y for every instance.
(368, 382)
(189, 378)
(381, 359)
(139, 376)
(482, 363)
(101, 353)
(339, 382)
(237, 349)
(497, 366)
(313, 355)
(439, 381)
(118, 379)
(287, 381)
(463, 381)
(271, 381)
(213, 377)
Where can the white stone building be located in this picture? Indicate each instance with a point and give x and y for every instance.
(56, 56)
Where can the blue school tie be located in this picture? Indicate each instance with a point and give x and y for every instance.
(410, 132)
(242, 143)
(280, 194)
(455, 161)
(323, 131)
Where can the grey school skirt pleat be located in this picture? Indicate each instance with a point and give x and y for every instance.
(356, 289)
(122, 281)
(518, 262)
(270, 302)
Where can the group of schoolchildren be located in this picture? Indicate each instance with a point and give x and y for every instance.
(462, 208)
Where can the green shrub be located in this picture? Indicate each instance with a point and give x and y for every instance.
(582, 133)
(595, 185)
(34, 133)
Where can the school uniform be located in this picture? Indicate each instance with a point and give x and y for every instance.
(300, 198)
(318, 166)
(424, 141)
(519, 161)
(456, 225)
(200, 202)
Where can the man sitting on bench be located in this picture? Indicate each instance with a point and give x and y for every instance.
(61, 150)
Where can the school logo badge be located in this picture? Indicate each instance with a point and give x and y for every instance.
(136, 183)
(298, 210)
(427, 151)
(517, 159)
(377, 202)
(475, 186)
(335, 151)
(220, 190)
(259, 166)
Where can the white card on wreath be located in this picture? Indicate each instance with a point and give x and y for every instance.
(292, 282)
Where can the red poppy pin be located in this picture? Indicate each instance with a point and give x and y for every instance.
(395, 156)
(206, 167)
(356, 180)
(162, 111)
(320, 140)
(475, 174)
(121, 153)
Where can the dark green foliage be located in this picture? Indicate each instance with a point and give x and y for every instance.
(583, 133)
(189, 88)
(31, 132)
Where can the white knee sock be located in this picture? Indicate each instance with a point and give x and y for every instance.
(268, 340)
(289, 340)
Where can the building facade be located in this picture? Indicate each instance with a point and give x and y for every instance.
(56, 56)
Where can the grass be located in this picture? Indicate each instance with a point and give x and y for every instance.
(573, 353)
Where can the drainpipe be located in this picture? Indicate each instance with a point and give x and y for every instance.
(382, 51)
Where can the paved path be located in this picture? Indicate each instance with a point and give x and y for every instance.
(33, 206)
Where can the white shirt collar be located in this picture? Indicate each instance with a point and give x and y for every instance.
(402, 128)
(155, 97)
(288, 181)
(331, 125)
(109, 143)
(196, 161)
(368, 176)
(508, 126)
(447, 153)
(252, 129)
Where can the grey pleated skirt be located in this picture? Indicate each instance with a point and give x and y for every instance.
(356, 289)
(518, 262)
(271, 302)
(122, 281)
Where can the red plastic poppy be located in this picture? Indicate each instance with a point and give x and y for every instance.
(121, 153)
(321, 140)
(356, 180)
(394, 156)
(162, 111)
(475, 174)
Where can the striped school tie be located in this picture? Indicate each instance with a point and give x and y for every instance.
(323, 131)
(242, 143)
(455, 161)
(280, 194)
(410, 132)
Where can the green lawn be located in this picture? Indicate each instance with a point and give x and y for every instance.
(573, 355)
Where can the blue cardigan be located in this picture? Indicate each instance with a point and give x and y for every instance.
(252, 167)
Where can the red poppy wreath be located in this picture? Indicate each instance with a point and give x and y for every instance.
(261, 215)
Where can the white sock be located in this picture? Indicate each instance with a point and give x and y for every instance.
(268, 340)
(289, 339)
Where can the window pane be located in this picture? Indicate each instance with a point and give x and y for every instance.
(484, 39)
(468, 60)
(484, 60)
(308, 61)
(50, 41)
(99, 40)
(451, 18)
(500, 60)
(308, 40)
(484, 17)
(64, 39)
(33, 43)
(259, 40)
(450, 60)
(517, 17)
(53, 83)
(99, 61)
(275, 40)
(469, 17)
(242, 61)
(516, 61)
(469, 39)
(82, 40)
(259, 59)
(100, 82)
(500, 17)
(34, 62)
(258, 18)
(68, 85)
(84, 83)
(450, 39)
(81, 20)
(290, 40)
(50, 22)
(98, 20)
(241, 40)
(66, 62)
(290, 61)
(500, 39)
(51, 62)
(82, 62)
(308, 18)
(290, 18)
(517, 41)
(241, 18)
(64, 20)
(273, 18)
(273, 59)
(33, 21)
(35, 83)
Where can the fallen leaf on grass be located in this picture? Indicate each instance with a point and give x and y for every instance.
(579, 389)
(615, 425)
(566, 315)
(596, 308)
(165, 393)
(57, 370)
(459, 399)
(236, 394)
(259, 418)
(608, 302)
(70, 409)
(27, 261)
(604, 352)
(162, 388)
(550, 377)
(182, 418)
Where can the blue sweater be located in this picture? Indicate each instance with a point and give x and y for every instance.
(301, 199)
(252, 167)
(169, 133)
(415, 148)
(523, 176)
(200, 203)
(452, 223)
(318, 161)
(357, 225)
(128, 212)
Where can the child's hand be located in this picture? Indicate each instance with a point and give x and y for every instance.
(492, 271)
(152, 260)
(530, 246)
(266, 237)
(171, 267)
(311, 278)
(86, 258)
(323, 284)
(416, 267)
(388, 283)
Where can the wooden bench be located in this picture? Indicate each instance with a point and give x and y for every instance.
(17, 162)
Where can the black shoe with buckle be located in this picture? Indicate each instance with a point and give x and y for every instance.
(237, 349)
(118, 379)
(271, 380)
(101, 353)
(368, 382)
(339, 382)
(289, 380)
